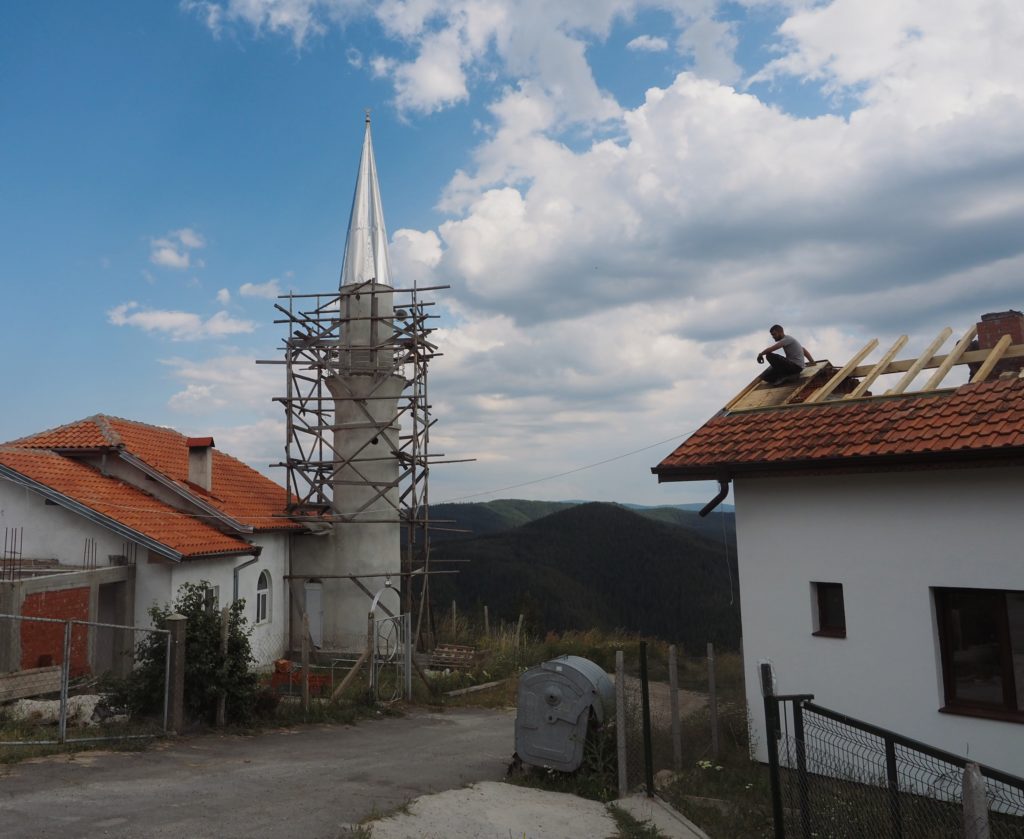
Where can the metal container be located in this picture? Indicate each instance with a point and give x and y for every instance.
(555, 702)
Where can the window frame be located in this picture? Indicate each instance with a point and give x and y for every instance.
(263, 588)
(1008, 710)
(825, 625)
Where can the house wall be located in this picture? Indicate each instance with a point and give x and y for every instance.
(888, 538)
(49, 531)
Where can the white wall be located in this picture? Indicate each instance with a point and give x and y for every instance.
(50, 531)
(888, 538)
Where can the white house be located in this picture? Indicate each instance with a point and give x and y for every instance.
(881, 565)
(104, 517)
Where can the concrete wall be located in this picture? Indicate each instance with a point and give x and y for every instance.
(888, 539)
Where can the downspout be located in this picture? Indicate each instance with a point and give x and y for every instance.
(256, 551)
(723, 490)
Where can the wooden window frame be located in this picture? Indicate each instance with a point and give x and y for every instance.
(827, 627)
(1008, 710)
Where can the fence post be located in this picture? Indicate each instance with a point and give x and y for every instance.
(894, 788)
(455, 632)
(620, 721)
(176, 624)
(772, 733)
(65, 680)
(975, 804)
(222, 700)
(305, 662)
(801, 767)
(712, 701)
(645, 696)
(673, 684)
(487, 623)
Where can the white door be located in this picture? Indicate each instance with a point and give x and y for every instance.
(314, 611)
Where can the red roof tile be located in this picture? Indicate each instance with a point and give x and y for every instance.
(974, 421)
(183, 534)
(239, 491)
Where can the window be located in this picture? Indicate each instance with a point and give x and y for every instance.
(829, 611)
(263, 597)
(981, 638)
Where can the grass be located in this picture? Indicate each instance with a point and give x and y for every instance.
(632, 828)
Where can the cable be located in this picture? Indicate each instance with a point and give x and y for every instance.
(563, 474)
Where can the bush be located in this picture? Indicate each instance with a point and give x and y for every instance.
(208, 673)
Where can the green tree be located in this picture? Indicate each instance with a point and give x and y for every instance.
(208, 672)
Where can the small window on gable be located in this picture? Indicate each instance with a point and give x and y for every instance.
(263, 597)
(829, 610)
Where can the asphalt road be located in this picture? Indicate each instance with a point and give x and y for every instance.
(303, 782)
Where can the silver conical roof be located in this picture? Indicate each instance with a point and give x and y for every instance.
(366, 246)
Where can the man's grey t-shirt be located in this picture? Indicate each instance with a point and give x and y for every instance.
(794, 350)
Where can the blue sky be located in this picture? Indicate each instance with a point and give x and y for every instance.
(622, 194)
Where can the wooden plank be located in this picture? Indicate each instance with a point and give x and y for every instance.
(996, 353)
(971, 357)
(876, 371)
(24, 684)
(918, 365)
(950, 360)
(840, 377)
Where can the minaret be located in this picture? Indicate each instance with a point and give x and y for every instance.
(365, 384)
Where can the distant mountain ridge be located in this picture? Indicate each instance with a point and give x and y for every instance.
(593, 565)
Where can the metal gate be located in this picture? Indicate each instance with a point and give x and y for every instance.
(391, 664)
(60, 679)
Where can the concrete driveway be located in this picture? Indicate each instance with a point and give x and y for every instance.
(308, 782)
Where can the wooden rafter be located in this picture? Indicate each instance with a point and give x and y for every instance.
(877, 370)
(922, 360)
(842, 375)
(998, 351)
(951, 359)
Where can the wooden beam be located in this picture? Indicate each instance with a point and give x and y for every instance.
(876, 371)
(951, 359)
(971, 357)
(918, 365)
(839, 377)
(996, 353)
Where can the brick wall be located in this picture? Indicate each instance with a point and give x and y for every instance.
(43, 643)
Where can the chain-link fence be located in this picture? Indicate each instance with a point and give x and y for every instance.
(64, 681)
(835, 776)
(695, 709)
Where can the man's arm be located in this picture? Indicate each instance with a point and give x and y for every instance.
(807, 355)
(766, 350)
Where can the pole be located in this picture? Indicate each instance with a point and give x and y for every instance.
(222, 698)
(712, 701)
(646, 701)
(673, 684)
(305, 661)
(620, 721)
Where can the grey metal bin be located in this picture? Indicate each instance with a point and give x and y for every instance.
(554, 704)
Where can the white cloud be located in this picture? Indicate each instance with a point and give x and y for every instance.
(174, 249)
(270, 290)
(414, 254)
(177, 325)
(647, 43)
(232, 380)
(223, 297)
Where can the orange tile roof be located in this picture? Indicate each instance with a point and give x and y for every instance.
(238, 490)
(126, 505)
(974, 422)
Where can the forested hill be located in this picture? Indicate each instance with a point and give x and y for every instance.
(459, 521)
(598, 565)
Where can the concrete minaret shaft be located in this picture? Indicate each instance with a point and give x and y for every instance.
(366, 385)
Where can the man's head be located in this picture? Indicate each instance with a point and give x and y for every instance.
(777, 332)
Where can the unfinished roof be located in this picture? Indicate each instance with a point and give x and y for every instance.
(117, 505)
(237, 491)
(828, 417)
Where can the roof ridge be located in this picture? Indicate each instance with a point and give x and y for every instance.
(106, 429)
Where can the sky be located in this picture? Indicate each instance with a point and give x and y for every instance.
(622, 196)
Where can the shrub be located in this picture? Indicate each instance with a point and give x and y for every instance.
(208, 673)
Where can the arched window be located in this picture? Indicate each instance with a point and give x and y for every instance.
(263, 597)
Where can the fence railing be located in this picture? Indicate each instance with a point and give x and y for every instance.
(62, 681)
(833, 775)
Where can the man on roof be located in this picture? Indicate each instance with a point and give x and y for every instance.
(783, 366)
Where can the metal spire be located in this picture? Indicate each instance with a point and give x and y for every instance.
(366, 246)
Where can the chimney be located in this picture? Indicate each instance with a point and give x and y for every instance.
(200, 462)
(994, 326)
